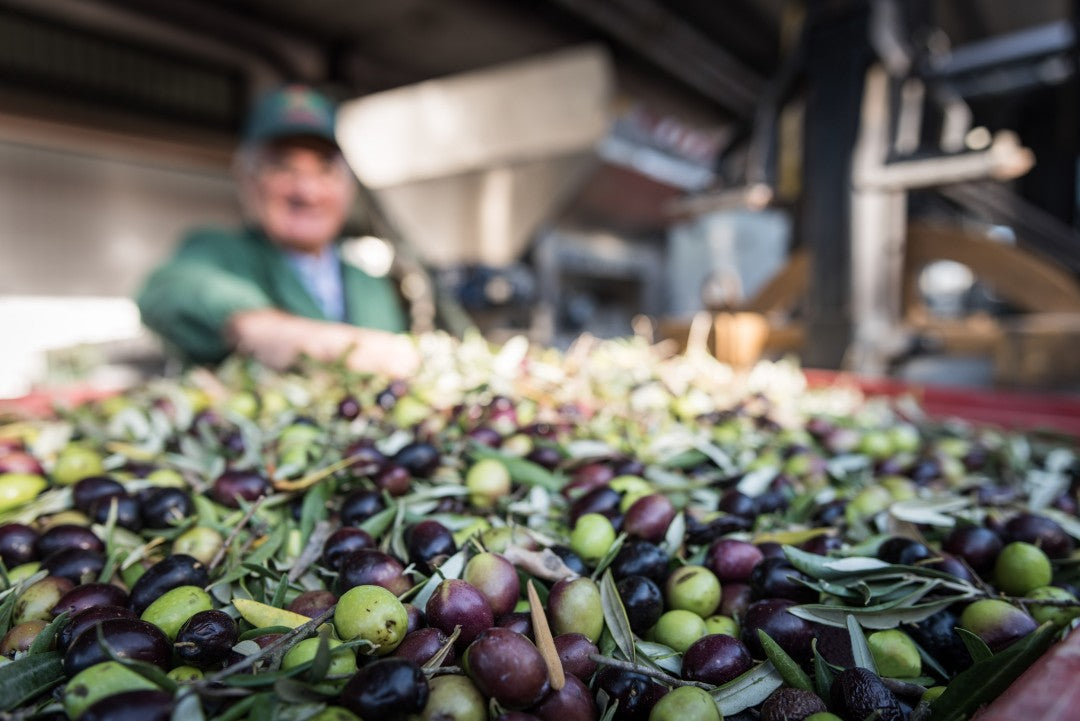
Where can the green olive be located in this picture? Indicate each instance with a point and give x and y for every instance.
(686, 703)
(19, 488)
(75, 463)
(342, 660)
(453, 698)
(100, 681)
(487, 481)
(693, 588)
(895, 654)
(185, 674)
(722, 624)
(201, 543)
(174, 607)
(373, 614)
(1058, 615)
(592, 536)
(679, 629)
(1022, 567)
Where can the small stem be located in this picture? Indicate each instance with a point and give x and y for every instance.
(646, 671)
(220, 555)
(311, 551)
(279, 644)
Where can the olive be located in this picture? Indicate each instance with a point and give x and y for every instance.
(343, 542)
(165, 575)
(206, 638)
(895, 654)
(496, 578)
(20, 636)
(735, 599)
(587, 478)
(370, 567)
(127, 637)
(100, 681)
(487, 480)
(573, 702)
(516, 716)
(830, 513)
(790, 632)
(822, 544)
(571, 559)
(649, 517)
(127, 511)
(716, 659)
(640, 558)
(429, 543)
(575, 653)
(643, 601)
(17, 543)
(419, 459)
(485, 436)
(233, 486)
(506, 666)
(636, 694)
(94, 488)
(390, 689)
(693, 588)
(454, 698)
(732, 560)
(421, 645)
(174, 607)
(312, 603)
(458, 603)
(547, 456)
(361, 505)
(373, 614)
(905, 551)
(142, 705)
(996, 622)
(1039, 531)
(342, 660)
(393, 479)
(702, 534)
(349, 408)
(834, 645)
(519, 622)
(858, 694)
(88, 618)
(39, 599)
(977, 545)
(415, 618)
(66, 536)
(686, 703)
(592, 536)
(366, 458)
(738, 504)
(771, 549)
(791, 704)
(166, 507)
(20, 462)
(937, 636)
(90, 595)
(777, 578)
(574, 607)
(75, 564)
(603, 500)
(1022, 567)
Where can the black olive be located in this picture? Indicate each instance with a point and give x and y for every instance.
(94, 488)
(858, 694)
(419, 459)
(127, 637)
(165, 575)
(206, 638)
(75, 564)
(166, 507)
(127, 511)
(17, 544)
(143, 705)
(83, 620)
(389, 689)
(65, 536)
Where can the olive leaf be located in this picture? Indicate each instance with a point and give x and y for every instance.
(887, 615)
(673, 538)
(860, 649)
(615, 617)
(986, 679)
(452, 567)
(376, 525)
(823, 673)
(320, 664)
(975, 645)
(663, 657)
(29, 677)
(748, 690)
(785, 665)
(44, 640)
(187, 708)
(608, 557)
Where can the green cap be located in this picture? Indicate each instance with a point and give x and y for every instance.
(293, 110)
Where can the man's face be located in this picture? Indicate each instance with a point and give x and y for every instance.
(300, 192)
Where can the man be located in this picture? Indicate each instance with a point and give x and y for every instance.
(277, 288)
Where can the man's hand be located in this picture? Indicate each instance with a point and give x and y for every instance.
(278, 339)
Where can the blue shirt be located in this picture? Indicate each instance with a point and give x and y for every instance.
(321, 277)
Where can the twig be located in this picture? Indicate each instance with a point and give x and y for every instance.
(278, 644)
(544, 642)
(646, 671)
(220, 555)
(311, 551)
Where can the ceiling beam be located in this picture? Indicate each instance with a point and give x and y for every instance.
(678, 47)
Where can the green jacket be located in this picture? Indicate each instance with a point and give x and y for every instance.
(217, 272)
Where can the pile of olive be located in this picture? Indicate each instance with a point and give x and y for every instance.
(428, 617)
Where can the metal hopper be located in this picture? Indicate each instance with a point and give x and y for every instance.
(467, 167)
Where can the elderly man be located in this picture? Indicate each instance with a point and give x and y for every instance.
(277, 288)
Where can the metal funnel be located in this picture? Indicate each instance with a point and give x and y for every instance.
(468, 166)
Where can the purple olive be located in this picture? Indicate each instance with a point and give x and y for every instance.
(573, 702)
(790, 632)
(732, 560)
(233, 486)
(419, 646)
(370, 567)
(457, 603)
(88, 618)
(716, 659)
(649, 517)
(313, 603)
(507, 667)
(574, 651)
(342, 542)
(128, 638)
(90, 595)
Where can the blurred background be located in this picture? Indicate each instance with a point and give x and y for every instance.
(888, 187)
